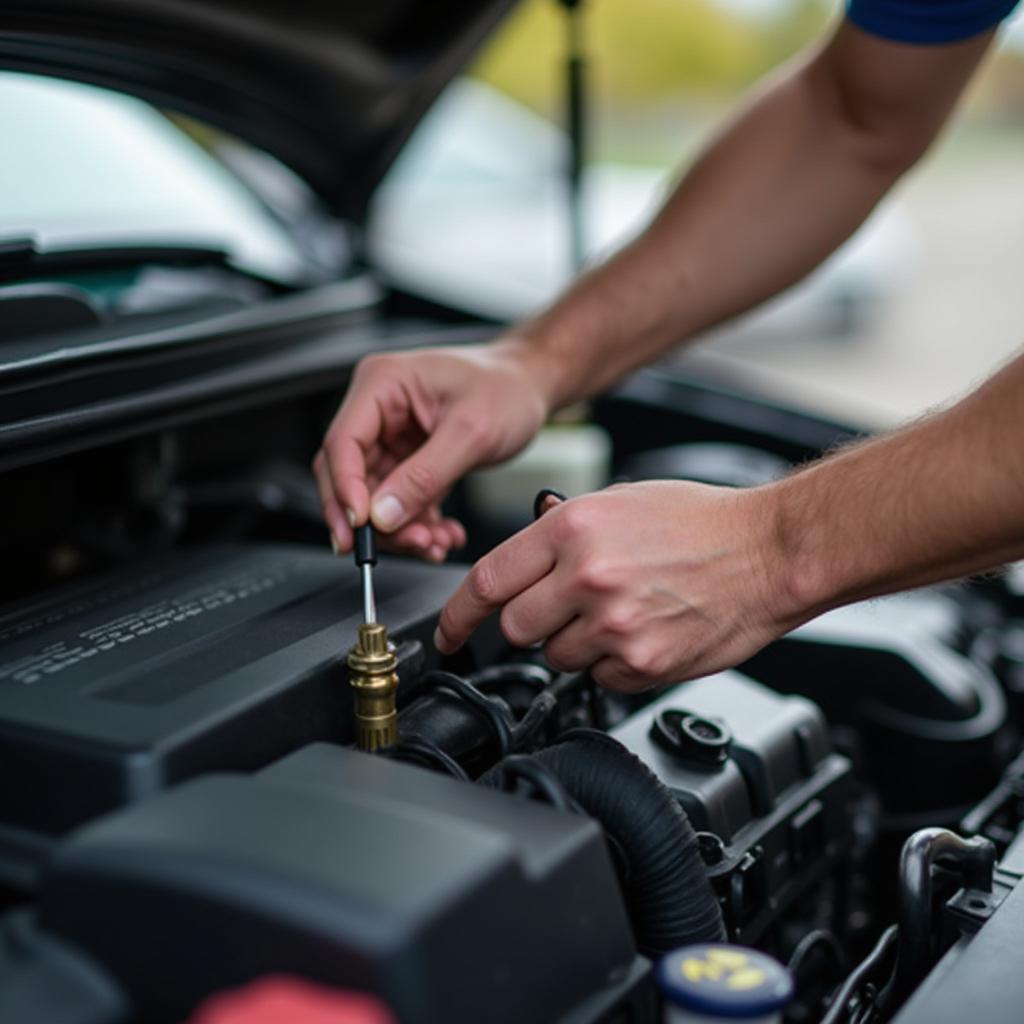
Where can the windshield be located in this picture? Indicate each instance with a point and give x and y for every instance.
(85, 167)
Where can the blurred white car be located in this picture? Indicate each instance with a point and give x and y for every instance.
(476, 213)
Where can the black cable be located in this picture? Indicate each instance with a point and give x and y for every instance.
(566, 682)
(818, 965)
(549, 687)
(526, 673)
(417, 750)
(820, 937)
(543, 780)
(866, 1011)
(484, 706)
(542, 495)
(538, 714)
(598, 709)
(885, 945)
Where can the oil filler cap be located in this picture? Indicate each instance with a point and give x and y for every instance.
(694, 737)
(715, 981)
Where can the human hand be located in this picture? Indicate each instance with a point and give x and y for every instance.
(642, 583)
(410, 425)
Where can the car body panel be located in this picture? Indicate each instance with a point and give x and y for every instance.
(332, 90)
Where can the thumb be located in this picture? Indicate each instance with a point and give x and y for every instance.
(424, 477)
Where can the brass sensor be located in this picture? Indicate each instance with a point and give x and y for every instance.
(372, 664)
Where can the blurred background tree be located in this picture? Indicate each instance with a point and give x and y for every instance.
(651, 49)
(661, 69)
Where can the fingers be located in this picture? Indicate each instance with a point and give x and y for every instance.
(345, 460)
(424, 477)
(448, 534)
(353, 438)
(414, 537)
(574, 647)
(456, 533)
(612, 674)
(432, 536)
(517, 574)
(445, 533)
(508, 570)
(341, 534)
(537, 613)
(412, 423)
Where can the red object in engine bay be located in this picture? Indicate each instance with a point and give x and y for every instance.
(279, 999)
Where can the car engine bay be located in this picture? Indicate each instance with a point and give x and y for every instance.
(182, 808)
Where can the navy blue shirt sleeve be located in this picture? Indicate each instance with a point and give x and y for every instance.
(927, 21)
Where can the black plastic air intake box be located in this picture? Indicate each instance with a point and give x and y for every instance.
(223, 658)
(932, 724)
(455, 903)
(755, 773)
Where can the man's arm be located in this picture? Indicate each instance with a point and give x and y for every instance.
(666, 581)
(940, 499)
(787, 181)
(784, 184)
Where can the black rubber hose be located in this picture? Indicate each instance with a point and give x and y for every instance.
(839, 1007)
(415, 750)
(665, 884)
(534, 677)
(974, 858)
(451, 714)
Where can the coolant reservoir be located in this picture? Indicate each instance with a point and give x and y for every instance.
(712, 982)
(574, 458)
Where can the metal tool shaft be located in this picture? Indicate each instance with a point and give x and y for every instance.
(369, 603)
(372, 662)
(365, 554)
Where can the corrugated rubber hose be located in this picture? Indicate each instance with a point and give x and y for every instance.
(665, 884)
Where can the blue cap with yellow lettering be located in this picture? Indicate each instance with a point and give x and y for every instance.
(715, 980)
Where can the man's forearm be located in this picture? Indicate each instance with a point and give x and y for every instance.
(792, 176)
(938, 500)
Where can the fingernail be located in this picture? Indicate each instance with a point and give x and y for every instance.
(350, 515)
(436, 553)
(388, 512)
(335, 546)
(440, 641)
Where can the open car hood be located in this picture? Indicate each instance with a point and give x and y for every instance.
(331, 89)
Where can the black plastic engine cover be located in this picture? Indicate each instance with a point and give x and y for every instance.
(223, 658)
(453, 902)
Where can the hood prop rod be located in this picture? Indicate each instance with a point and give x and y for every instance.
(576, 124)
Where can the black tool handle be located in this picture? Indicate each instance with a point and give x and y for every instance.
(365, 550)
